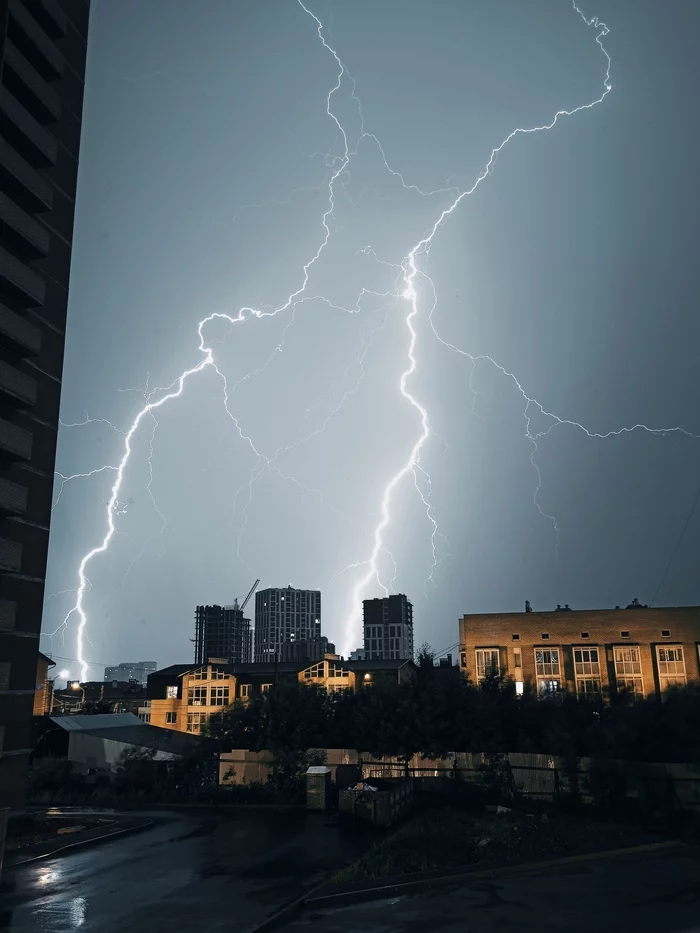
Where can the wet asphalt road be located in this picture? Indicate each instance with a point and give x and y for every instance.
(650, 894)
(224, 870)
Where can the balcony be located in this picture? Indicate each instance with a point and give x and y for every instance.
(18, 335)
(32, 41)
(23, 182)
(27, 85)
(15, 442)
(10, 555)
(23, 281)
(8, 610)
(13, 498)
(22, 232)
(49, 16)
(18, 388)
(25, 133)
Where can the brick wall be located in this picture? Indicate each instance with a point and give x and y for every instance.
(582, 629)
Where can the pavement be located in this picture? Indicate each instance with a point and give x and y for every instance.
(218, 870)
(646, 893)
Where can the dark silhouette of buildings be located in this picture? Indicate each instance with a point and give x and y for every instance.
(285, 615)
(131, 670)
(388, 628)
(306, 651)
(222, 632)
(42, 55)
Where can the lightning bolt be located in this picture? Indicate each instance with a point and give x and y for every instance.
(411, 276)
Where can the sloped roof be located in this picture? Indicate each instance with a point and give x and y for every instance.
(83, 723)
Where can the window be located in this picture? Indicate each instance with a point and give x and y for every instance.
(587, 670)
(219, 696)
(486, 662)
(171, 693)
(316, 671)
(219, 675)
(463, 659)
(245, 691)
(624, 634)
(517, 659)
(197, 696)
(585, 635)
(545, 636)
(145, 717)
(266, 688)
(628, 669)
(170, 719)
(195, 721)
(201, 674)
(671, 666)
(516, 637)
(547, 670)
(335, 670)
(665, 633)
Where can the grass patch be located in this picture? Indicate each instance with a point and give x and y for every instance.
(25, 831)
(447, 838)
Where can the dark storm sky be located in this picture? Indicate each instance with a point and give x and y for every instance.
(573, 265)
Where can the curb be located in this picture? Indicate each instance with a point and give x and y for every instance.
(408, 884)
(289, 911)
(81, 844)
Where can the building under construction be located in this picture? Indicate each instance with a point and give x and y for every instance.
(223, 633)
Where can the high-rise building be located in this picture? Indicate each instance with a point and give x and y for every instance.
(223, 633)
(131, 670)
(42, 61)
(284, 615)
(388, 628)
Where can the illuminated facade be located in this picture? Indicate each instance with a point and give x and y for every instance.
(182, 697)
(591, 652)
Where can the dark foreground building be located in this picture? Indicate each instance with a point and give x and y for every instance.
(42, 61)
(388, 628)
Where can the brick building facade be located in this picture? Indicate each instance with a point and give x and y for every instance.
(588, 651)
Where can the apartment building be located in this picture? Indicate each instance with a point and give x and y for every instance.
(182, 697)
(222, 632)
(636, 649)
(42, 60)
(388, 627)
(285, 615)
(126, 671)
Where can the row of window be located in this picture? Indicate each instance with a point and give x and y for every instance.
(215, 696)
(587, 670)
(544, 636)
(318, 671)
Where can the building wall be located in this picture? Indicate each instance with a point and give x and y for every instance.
(92, 751)
(43, 47)
(283, 615)
(43, 693)
(617, 635)
(222, 632)
(388, 628)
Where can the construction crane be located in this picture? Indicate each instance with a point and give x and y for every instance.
(247, 599)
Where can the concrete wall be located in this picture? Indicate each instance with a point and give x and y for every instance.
(91, 751)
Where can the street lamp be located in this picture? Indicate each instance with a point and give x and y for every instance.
(76, 686)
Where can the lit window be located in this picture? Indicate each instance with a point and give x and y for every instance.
(486, 662)
(219, 696)
(171, 718)
(519, 688)
(316, 671)
(195, 721)
(217, 674)
(335, 670)
(628, 669)
(171, 693)
(245, 691)
(266, 688)
(197, 696)
(671, 666)
(587, 670)
(547, 670)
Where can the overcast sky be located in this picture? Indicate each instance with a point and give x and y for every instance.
(202, 188)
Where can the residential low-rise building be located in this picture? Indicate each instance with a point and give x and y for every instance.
(637, 649)
(117, 696)
(183, 697)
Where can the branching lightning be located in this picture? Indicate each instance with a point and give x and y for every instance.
(411, 280)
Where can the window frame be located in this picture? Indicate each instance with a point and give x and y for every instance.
(585, 678)
(672, 680)
(623, 678)
(169, 694)
(244, 691)
(219, 696)
(493, 667)
(197, 696)
(547, 679)
(171, 718)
